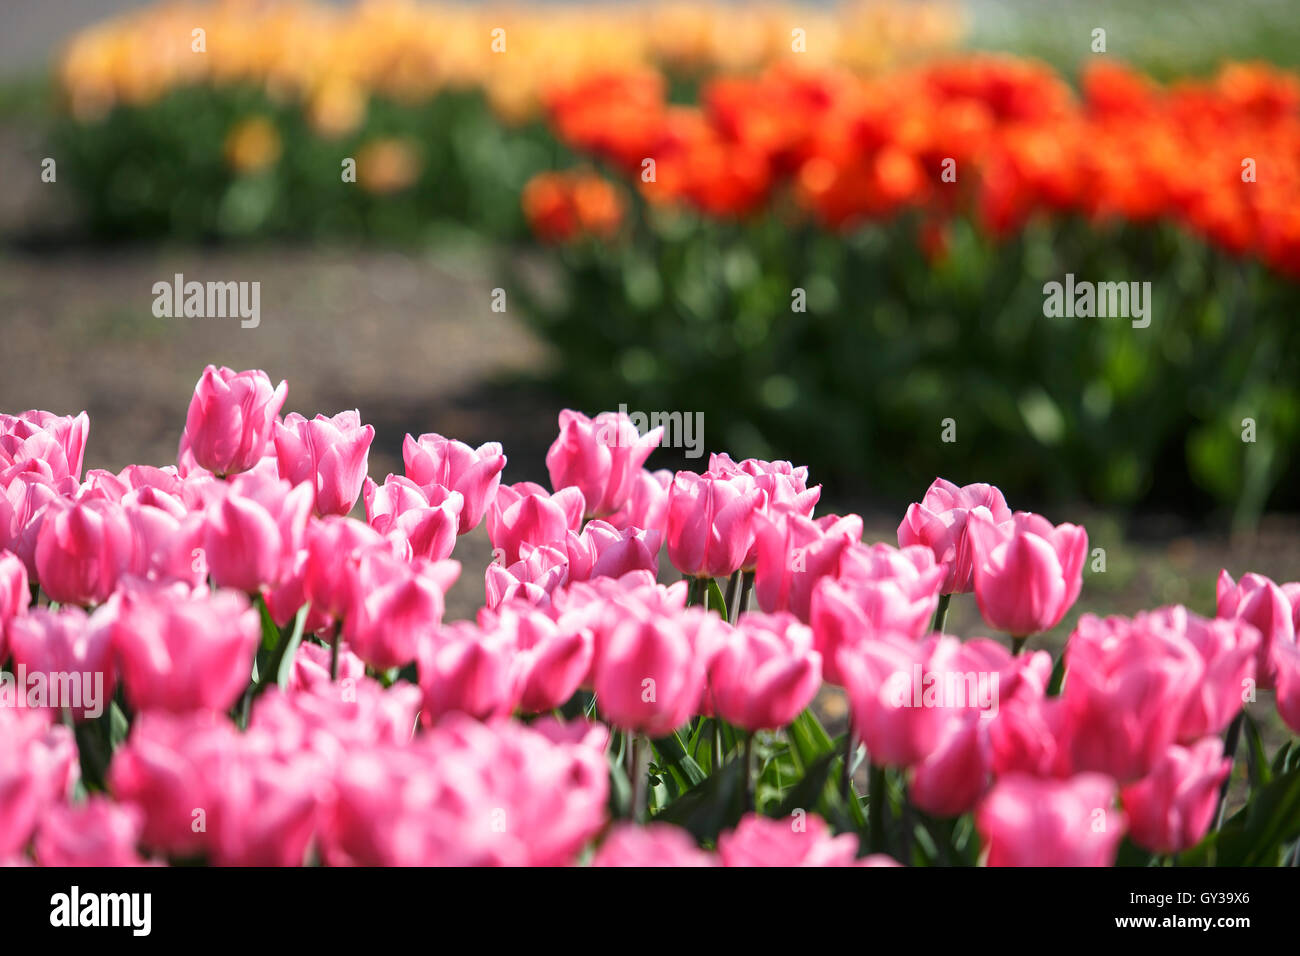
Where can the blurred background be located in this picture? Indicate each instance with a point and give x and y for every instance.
(794, 267)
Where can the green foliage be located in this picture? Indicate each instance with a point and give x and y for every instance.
(688, 314)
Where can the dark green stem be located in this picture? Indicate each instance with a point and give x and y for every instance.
(746, 589)
(941, 614)
(749, 770)
(1017, 645)
(1230, 751)
(876, 812)
(733, 591)
(695, 591)
(334, 651)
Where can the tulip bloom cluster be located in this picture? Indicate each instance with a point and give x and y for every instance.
(264, 679)
(992, 137)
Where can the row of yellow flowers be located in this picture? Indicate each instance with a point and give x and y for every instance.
(333, 58)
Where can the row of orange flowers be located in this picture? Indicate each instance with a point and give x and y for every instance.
(993, 136)
(333, 58)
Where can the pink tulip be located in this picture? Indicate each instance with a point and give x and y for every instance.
(253, 534)
(134, 478)
(231, 418)
(424, 524)
(896, 695)
(656, 844)
(794, 553)
(50, 446)
(464, 669)
(475, 473)
(334, 547)
(1128, 690)
(1228, 651)
(1170, 809)
(526, 514)
(602, 605)
(96, 833)
(1027, 572)
(73, 651)
(552, 660)
(23, 506)
(394, 605)
(939, 522)
(15, 595)
(329, 454)
(950, 781)
(534, 579)
(38, 769)
(1286, 669)
(800, 840)
(710, 524)
(1025, 821)
(601, 457)
(466, 794)
(1028, 737)
(1259, 602)
(183, 649)
(82, 549)
(168, 538)
(785, 486)
(264, 809)
(650, 675)
(765, 673)
(881, 590)
(601, 550)
(647, 502)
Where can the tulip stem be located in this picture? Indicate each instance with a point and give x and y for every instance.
(717, 743)
(1017, 645)
(733, 592)
(941, 613)
(641, 776)
(846, 772)
(905, 849)
(746, 589)
(876, 812)
(749, 770)
(1229, 751)
(696, 590)
(334, 651)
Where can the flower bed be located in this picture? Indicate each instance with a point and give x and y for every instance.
(189, 642)
(233, 119)
(837, 266)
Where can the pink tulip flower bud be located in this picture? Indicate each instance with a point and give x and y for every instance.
(1027, 572)
(1171, 808)
(711, 523)
(254, 532)
(765, 673)
(329, 454)
(231, 418)
(474, 472)
(183, 649)
(939, 522)
(601, 457)
(425, 525)
(1026, 821)
(1259, 602)
(82, 549)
